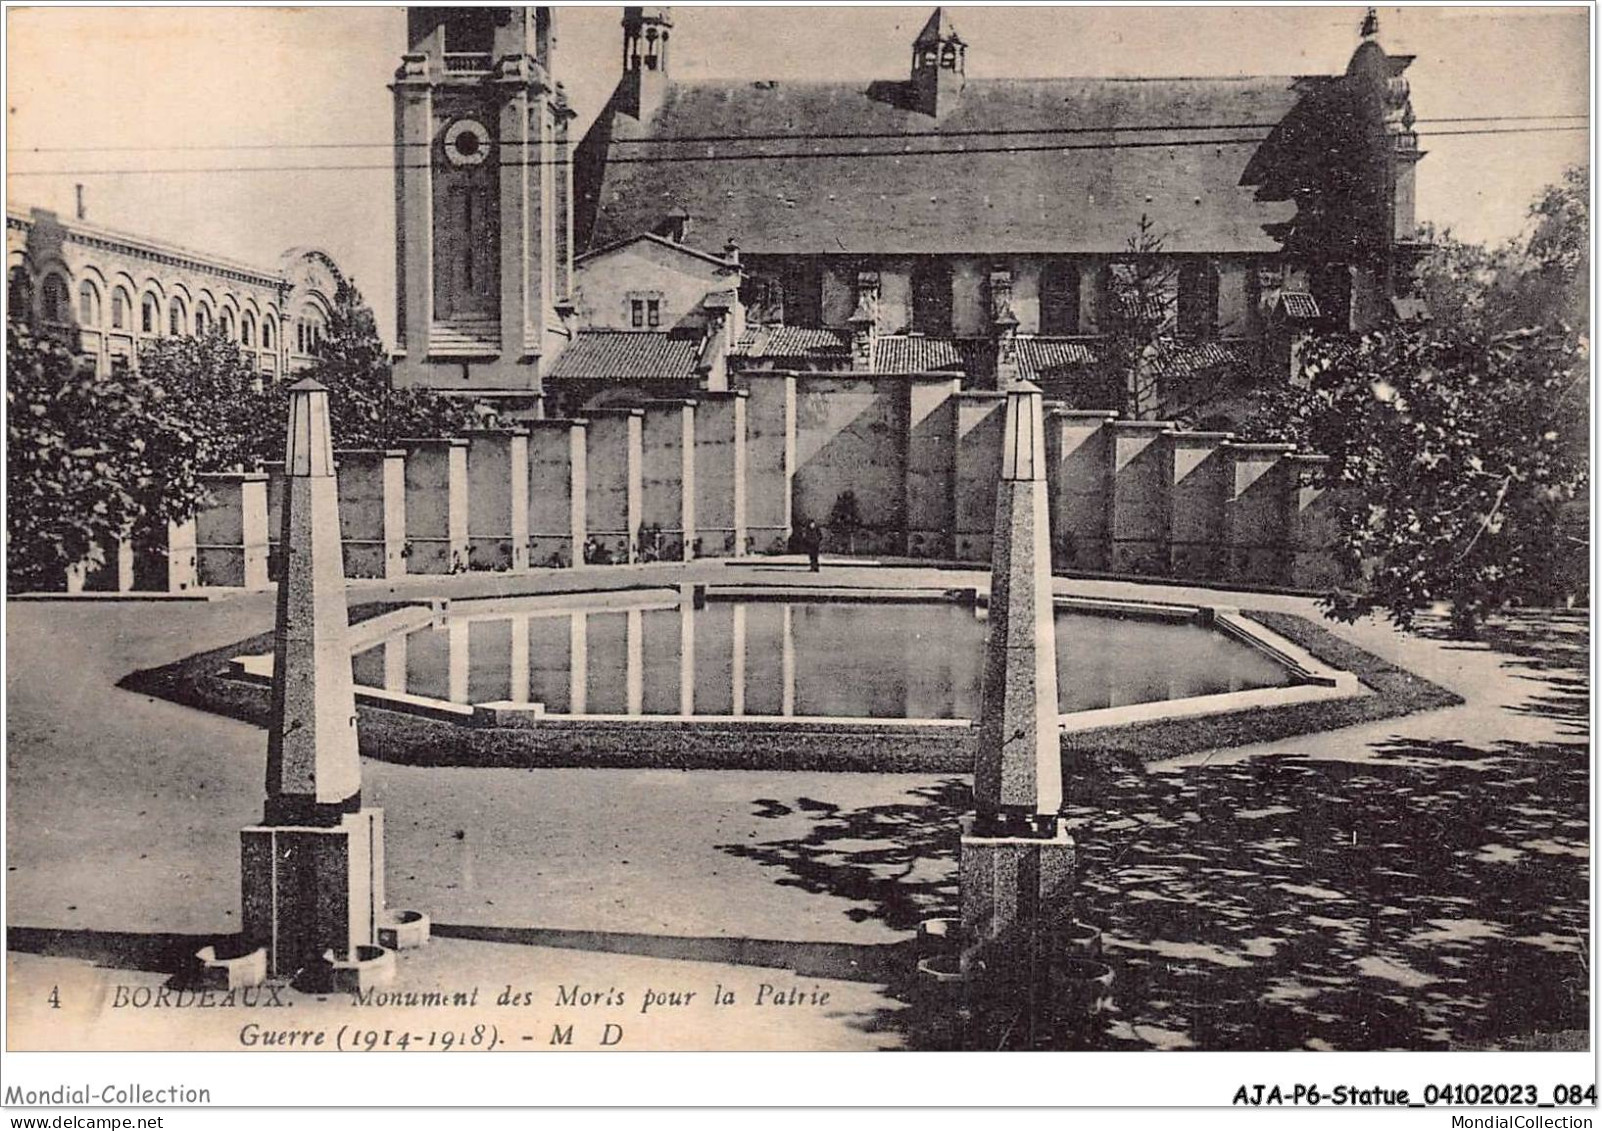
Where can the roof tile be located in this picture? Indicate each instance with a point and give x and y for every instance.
(626, 355)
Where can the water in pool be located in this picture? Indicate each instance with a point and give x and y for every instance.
(806, 658)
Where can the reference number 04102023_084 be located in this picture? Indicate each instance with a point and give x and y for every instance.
(1432, 1095)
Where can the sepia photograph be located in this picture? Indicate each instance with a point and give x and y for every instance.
(802, 529)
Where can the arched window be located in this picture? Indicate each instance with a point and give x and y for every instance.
(247, 330)
(120, 302)
(54, 304)
(149, 315)
(202, 320)
(88, 304)
(177, 322)
(1059, 297)
(226, 324)
(267, 332)
(19, 294)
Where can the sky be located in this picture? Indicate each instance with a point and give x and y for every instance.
(139, 92)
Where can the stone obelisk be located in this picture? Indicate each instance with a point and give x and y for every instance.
(1016, 859)
(313, 870)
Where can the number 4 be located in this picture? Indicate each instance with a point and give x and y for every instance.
(55, 997)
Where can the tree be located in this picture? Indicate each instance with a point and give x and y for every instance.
(232, 414)
(1138, 321)
(366, 410)
(88, 460)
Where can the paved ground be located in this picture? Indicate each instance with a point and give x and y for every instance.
(124, 811)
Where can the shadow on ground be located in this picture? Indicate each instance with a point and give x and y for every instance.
(1434, 897)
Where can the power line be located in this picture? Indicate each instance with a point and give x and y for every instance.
(795, 155)
(700, 139)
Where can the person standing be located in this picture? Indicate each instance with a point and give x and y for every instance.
(812, 542)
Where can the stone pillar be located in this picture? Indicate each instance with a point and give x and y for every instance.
(1200, 478)
(1311, 522)
(1256, 535)
(578, 663)
(612, 481)
(720, 470)
(372, 512)
(231, 531)
(1016, 859)
(978, 424)
(164, 559)
(686, 652)
(436, 506)
(1137, 520)
(274, 471)
(497, 499)
(1077, 443)
(312, 873)
(556, 492)
(114, 575)
(668, 479)
(769, 459)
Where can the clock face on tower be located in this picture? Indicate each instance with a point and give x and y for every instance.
(467, 142)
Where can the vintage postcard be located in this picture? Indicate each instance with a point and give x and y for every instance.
(802, 529)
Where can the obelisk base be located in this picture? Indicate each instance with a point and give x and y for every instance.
(308, 890)
(1015, 892)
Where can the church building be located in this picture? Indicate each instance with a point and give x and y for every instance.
(939, 222)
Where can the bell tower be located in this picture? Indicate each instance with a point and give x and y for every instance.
(939, 63)
(483, 202)
(646, 32)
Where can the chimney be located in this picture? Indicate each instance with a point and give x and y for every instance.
(83, 211)
(864, 321)
(731, 250)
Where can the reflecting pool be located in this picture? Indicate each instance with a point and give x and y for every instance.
(817, 658)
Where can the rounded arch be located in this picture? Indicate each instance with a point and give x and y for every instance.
(91, 302)
(122, 302)
(55, 296)
(152, 312)
(311, 322)
(19, 292)
(247, 328)
(269, 328)
(177, 316)
(205, 313)
(228, 317)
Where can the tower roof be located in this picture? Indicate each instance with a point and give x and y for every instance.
(939, 29)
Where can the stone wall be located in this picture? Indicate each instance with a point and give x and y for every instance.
(730, 473)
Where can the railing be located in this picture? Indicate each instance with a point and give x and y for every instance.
(468, 62)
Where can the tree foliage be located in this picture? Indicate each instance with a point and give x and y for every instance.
(95, 459)
(1138, 320)
(1458, 447)
(88, 460)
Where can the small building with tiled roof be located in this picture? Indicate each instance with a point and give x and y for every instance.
(977, 208)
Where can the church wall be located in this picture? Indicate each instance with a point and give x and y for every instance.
(1026, 293)
(603, 285)
(851, 436)
(970, 298)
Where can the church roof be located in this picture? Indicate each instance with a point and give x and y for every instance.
(626, 355)
(1015, 166)
(938, 29)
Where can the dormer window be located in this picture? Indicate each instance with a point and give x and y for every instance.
(645, 311)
